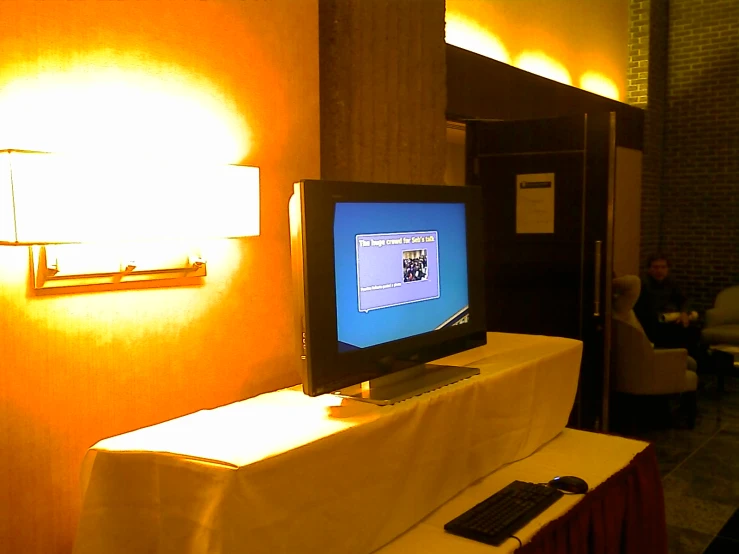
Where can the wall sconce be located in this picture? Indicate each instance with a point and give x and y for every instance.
(51, 199)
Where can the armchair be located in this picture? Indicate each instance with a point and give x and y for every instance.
(637, 368)
(722, 321)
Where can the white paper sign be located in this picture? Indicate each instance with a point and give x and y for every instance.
(535, 203)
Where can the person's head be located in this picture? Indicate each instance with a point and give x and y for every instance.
(658, 266)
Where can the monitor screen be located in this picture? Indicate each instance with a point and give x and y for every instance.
(387, 277)
(400, 270)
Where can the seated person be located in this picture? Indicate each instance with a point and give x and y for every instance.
(661, 295)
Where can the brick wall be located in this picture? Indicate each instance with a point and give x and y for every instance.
(700, 190)
(637, 88)
(647, 77)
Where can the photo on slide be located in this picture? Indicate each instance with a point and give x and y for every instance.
(415, 265)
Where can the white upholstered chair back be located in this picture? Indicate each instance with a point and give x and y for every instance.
(637, 368)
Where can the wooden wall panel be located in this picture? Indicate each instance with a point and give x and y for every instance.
(627, 212)
(383, 91)
(483, 88)
(77, 368)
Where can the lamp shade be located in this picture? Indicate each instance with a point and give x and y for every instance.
(7, 212)
(52, 198)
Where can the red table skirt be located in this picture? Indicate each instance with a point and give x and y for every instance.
(624, 514)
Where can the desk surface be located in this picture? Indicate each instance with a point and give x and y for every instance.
(289, 419)
(274, 473)
(591, 456)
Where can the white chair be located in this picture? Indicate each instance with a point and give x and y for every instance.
(722, 321)
(637, 368)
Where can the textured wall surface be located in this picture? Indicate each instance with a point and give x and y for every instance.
(383, 90)
(77, 368)
(647, 80)
(701, 171)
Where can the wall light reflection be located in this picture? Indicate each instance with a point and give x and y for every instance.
(597, 83)
(113, 103)
(109, 107)
(465, 33)
(538, 62)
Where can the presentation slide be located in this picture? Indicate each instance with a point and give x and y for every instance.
(400, 270)
(397, 268)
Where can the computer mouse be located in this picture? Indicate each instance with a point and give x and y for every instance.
(569, 483)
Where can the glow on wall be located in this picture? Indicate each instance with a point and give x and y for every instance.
(122, 112)
(466, 33)
(113, 110)
(541, 64)
(113, 103)
(578, 43)
(593, 81)
(123, 118)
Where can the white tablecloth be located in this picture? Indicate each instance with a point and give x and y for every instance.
(279, 473)
(590, 456)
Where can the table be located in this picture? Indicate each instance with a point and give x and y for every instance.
(731, 349)
(284, 472)
(723, 362)
(623, 512)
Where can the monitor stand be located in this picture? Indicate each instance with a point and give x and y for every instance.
(407, 383)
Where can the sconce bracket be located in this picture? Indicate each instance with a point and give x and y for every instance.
(74, 265)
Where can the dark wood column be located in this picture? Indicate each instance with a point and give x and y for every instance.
(383, 90)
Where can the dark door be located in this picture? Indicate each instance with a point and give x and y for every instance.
(548, 189)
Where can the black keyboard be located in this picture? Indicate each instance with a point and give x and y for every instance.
(499, 516)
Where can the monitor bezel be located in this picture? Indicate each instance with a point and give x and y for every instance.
(323, 371)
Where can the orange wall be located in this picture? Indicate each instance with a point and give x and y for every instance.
(577, 37)
(76, 368)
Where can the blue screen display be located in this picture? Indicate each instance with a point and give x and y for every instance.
(401, 270)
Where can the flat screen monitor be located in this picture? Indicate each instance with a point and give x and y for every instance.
(387, 277)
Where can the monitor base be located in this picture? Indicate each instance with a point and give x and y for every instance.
(405, 384)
